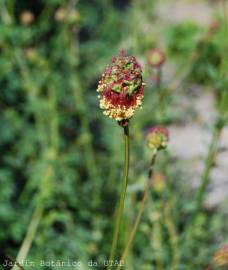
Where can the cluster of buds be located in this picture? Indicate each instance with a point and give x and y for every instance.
(121, 88)
(157, 138)
(156, 58)
(221, 256)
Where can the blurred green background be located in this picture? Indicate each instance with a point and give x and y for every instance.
(61, 159)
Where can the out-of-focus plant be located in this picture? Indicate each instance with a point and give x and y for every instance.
(221, 257)
(156, 59)
(181, 38)
(54, 142)
(215, 75)
(219, 83)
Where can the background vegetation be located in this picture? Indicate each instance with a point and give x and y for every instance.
(61, 160)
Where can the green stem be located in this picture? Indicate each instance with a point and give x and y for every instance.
(208, 167)
(153, 159)
(159, 78)
(162, 93)
(158, 244)
(122, 197)
(136, 224)
(173, 237)
(30, 235)
(140, 212)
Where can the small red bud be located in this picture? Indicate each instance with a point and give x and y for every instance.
(156, 58)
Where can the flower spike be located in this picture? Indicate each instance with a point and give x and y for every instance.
(121, 88)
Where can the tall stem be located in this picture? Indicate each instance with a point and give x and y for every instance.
(136, 224)
(140, 212)
(122, 196)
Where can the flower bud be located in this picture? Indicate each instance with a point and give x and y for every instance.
(69, 16)
(157, 138)
(27, 17)
(214, 27)
(121, 88)
(221, 256)
(158, 182)
(208, 267)
(156, 58)
(30, 53)
(73, 17)
(60, 14)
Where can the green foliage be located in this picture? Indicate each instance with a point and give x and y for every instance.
(59, 153)
(181, 38)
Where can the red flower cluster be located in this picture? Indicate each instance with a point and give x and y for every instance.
(121, 88)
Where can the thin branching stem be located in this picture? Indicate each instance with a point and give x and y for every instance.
(139, 214)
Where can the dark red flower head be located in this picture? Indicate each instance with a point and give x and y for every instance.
(121, 88)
